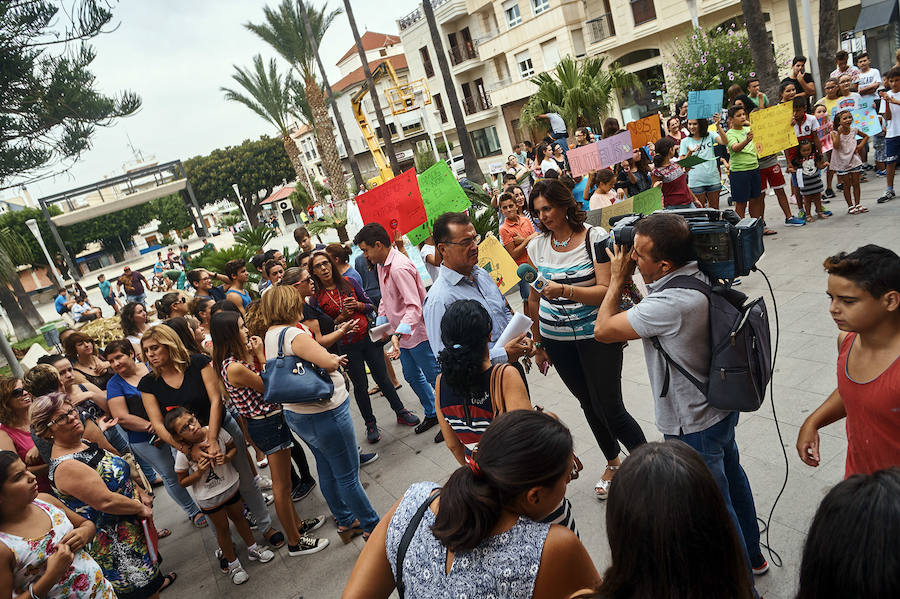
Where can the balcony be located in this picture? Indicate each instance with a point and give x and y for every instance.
(460, 54)
(601, 28)
(477, 103)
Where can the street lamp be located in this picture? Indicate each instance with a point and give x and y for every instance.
(237, 192)
(33, 226)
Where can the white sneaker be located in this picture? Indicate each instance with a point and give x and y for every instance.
(260, 554)
(239, 575)
(264, 483)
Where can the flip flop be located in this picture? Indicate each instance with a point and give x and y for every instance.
(861, 209)
(770, 232)
(162, 533)
(199, 520)
(168, 581)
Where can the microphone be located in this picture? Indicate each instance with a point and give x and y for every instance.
(527, 273)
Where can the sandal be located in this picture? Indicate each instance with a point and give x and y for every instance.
(348, 533)
(770, 232)
(601, 489)
(276, 539)
(199, 520)
(168, 580)
(162, 533)
(853, 210)
(860, 209)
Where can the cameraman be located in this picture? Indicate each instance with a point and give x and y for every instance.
(679, 318)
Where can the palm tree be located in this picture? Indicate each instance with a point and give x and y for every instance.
(283, 30)
(581, 92)
(761, 47)
(473, 171)
(271, 96)
(14, 250)
(829, 32)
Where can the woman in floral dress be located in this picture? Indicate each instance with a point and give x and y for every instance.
(42, 546)
(97, 485)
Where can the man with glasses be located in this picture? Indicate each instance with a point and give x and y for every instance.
(201, 280)
(402, 297)
(462, 279)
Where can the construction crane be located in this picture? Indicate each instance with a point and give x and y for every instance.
(401, 98)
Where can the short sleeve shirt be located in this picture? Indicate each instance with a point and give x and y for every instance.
(866, 79)
(60, 304)
(191, 395)
(745, 160)
(219, 478)
(104, 288)
(892, 125)
(116, 386)
(523, 228)
(706, 173)
(809, 126)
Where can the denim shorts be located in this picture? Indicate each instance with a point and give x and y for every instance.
(891, 149)
(271, 434)
(745, 185)
(707, 188)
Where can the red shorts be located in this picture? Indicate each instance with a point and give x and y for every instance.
(771, 177)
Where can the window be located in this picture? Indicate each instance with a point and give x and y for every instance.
(485, 141)
(539, 6)
(426, 61)
(412, 128)
(439, 102)
(511, 11)
(526, 69)
(642, 11)
(550, 53)
(391, 127)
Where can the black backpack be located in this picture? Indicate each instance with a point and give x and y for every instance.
(740, 365)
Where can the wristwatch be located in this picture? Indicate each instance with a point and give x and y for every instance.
(538, 345)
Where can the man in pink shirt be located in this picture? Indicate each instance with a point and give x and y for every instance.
(402, 298)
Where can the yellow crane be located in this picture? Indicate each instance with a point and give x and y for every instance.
(401, 98)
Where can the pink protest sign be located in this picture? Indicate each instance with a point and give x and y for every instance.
(395, 205)
(614, 149)
(825, 140)
(584, 159)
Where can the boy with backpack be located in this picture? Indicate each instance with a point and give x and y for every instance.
(676, 318)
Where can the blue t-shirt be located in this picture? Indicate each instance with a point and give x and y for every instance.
(119, 387)
(60, 304)
(707, 173)
(104, 289)
(578, 192)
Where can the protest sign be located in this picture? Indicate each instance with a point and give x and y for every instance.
(584, 159)
(495, 168)
(600, 218)
(395, 204)
(772, 129)
(648, 201)
(689, 161)
(614, 149)
(494, 258)
(704, 104)
(825, 140)
(644, 131)
(441, 193)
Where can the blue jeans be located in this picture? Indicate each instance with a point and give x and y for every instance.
(331, 437)
(164, 463)
(718, 449)
(420, 370)
(138, 299)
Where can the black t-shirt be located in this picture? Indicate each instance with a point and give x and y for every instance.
(191, 395)
(807, 78)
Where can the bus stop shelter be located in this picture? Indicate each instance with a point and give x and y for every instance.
(135, 187)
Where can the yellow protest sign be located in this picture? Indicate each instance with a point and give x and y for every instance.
(600, 218)
(494, 258)
(772, 129)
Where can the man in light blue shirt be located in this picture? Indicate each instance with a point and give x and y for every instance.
(461, 278)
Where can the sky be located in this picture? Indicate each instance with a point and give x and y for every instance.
(177, 55)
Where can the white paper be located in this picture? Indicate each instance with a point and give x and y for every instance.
(518, 325)
(376, 333)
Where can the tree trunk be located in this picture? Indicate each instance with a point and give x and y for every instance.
(331, 160)
(373, 91)
(22, 329)
(343, 237)
(760, 48)
(829, 31)
(293, 153)
(28, 309)
(473, 171)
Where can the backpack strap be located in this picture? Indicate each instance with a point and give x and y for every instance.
(680, 282)
(407, 539)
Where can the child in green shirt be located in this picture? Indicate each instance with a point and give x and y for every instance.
(744, 171)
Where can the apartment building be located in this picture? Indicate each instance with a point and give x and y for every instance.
(408, 130)
(494, 48)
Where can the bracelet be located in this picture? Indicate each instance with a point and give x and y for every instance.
(538, 345)
(31, 592)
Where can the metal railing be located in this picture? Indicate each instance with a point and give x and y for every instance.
(459, 54)
(477, 103)
(417, 15)
(601, 28)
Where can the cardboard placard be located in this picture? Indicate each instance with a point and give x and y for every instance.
(584, 159)
(772, 129)
(395, 204)
(494, 258)
(441, 193)
(648, 201)
(615, 149)
(644, 131)
(689, 161)
(703, 104)
(825, 136)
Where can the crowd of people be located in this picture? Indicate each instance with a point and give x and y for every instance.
(224, 378)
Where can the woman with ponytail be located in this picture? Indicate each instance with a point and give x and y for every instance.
(480, 534)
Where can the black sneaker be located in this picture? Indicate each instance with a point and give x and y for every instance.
(887, 197)
(367, 458)
(373, 435)
(427, 423)
(302, 489)
(829, 193)
(840, 186)
(439, 437)
(307, 546)
(311, 524)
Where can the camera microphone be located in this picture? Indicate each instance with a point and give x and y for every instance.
(530, 275)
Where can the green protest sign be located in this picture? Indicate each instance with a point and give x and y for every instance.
(648, 201)
(441, 193)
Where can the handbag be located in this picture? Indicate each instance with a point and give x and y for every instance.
(291, 379)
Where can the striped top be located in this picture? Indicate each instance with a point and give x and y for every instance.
(564, 319)
(468, 414)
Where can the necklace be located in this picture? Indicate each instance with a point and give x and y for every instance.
(562, 244)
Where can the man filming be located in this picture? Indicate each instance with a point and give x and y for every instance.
(679, 319)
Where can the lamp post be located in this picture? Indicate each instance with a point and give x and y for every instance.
(237, 192)
(33, 226)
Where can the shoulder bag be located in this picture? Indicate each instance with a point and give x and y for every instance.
(407, 539)
(291, 379)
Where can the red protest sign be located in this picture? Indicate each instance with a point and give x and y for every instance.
(395, 205)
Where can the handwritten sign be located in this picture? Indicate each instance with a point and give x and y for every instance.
(494, 258)
(704, 104)
(825, 140)
(441, 193)
(648, 201)
(772, 129)
(866, 121)
(396, 204)
(615, 149)
(645, 131)
(584, 159)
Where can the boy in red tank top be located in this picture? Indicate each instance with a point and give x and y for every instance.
(864, 287)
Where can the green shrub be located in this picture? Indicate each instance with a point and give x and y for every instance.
(255, 238)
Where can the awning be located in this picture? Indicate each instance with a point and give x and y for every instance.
(875, 14)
